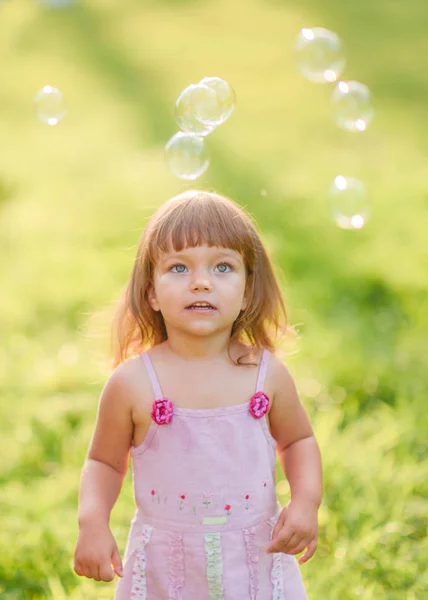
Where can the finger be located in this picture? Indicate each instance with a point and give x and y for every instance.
(297, 548)
(106, 573)
(279, 525)
(116, 562)
(312, 546)
(292, 543)
(78, 569)
(94, 572)
(282, 542)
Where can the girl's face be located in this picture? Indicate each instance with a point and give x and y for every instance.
(199, 290)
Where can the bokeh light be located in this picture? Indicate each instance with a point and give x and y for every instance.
(352, 105)
(186, 155)
(319, 54)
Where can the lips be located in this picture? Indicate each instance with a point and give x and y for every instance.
(201, 305)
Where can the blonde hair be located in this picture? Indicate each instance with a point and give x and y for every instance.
(191, 219)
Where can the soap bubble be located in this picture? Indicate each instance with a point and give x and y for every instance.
(196, 102)
(186, 155)
(352, 105)
(319, 55)
(349, 202)
(225, 101)
(50, 105)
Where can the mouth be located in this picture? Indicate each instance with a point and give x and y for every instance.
(201, 306)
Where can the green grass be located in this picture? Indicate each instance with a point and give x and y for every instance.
(73, 201)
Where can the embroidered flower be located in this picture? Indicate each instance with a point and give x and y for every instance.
(244, 501)
(206, 498)
(228, 508)
(153, 493)
(259, 405)
(181, 501)
(162, 411)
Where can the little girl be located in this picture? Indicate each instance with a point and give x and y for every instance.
(203, 406)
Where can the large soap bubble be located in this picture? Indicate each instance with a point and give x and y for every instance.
(186, 155)
(319, 55)
(225, 101)
(195, 103)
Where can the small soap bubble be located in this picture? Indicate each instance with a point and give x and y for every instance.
(196, 102)
(50, 105)
(319, 55)
(225, 101)
(349, 203)
(352, 105)
(186, 155)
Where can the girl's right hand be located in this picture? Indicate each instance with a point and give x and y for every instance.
(96, 555)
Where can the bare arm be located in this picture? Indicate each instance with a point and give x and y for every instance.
(297, 447)
(96, 555)
(108, 454)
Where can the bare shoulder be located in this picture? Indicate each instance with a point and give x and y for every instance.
(122, 406)
(278, 375)
(288, 419)
(130, 373)
(129, 383)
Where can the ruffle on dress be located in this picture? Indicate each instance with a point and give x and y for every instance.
(176, 566)
(277, 573)
(252, 561)
(139, 581)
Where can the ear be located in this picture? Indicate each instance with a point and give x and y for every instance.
(151, 295)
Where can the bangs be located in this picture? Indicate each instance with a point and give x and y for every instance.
(200, 219)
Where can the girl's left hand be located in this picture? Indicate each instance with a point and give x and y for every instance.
(296, 529)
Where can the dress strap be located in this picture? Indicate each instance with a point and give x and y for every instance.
(155, 383)
(262, 370)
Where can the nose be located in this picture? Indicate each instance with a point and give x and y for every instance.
(201, 282)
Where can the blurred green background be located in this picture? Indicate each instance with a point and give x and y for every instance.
(74, 199)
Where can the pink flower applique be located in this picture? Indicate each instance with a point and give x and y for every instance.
(228, 509)
(259, 405)
(162, 411)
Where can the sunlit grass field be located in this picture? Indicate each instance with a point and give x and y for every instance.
(74, 199)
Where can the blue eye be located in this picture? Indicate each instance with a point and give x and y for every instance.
(223, 267)
(178, 269)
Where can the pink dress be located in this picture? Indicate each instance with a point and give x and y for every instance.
(204, 485)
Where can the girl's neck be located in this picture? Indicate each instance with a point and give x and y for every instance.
(198, 349)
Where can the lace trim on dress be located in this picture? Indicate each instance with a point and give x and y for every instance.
(139, 582)
(277, 573)
(176, 566)
(252, 560)
(214, 566)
